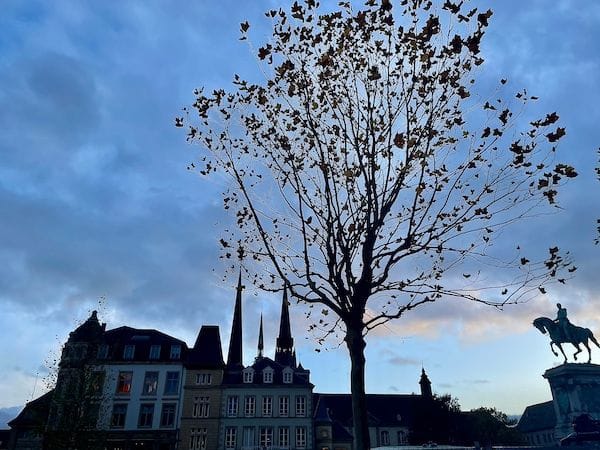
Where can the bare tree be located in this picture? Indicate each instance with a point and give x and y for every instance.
(367, 174)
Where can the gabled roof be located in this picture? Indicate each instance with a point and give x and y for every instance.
(537, 417)
(35, 412)
(207, 352)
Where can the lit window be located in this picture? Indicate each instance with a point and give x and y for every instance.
(198, 438)
(300, 406)
(284, 406)
(155, 352)
(265, 437)
(300, 437)
(128, 351)
(118, 415)
(150, 383)
(232, 406)
(230, 433)
(284, 437)
(201, 407)
(203, 378)
(167, 416)
(175, 351)
(124, 382)
(249, 406)
(267, 406)
(146, 415)
(172, 383)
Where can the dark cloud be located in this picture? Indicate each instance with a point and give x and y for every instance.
(96, 200)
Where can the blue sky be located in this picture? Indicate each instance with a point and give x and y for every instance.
(96, 200)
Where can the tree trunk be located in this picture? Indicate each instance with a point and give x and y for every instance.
(356, 348)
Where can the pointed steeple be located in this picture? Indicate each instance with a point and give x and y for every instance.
(234, 355)
(261, 346)
(284, 352)
(425, 385)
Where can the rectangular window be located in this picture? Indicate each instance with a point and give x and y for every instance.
(267, 406)
(167, 415)
(287, 377)
(175, 351)
(103, 351)
(128, 351)
(248, 437)
(267, 376)
(300, 437)
(198, 438)
(203, 378)
(119, 413)
(284, 437)
(124, 382)
(265, 437)
(248, 376)
(232, 406)
(201, 407)
(249, 406)
(146, 415)
(172, 383)
(96, 382)
(300, 406)
(385, 437)
(155, 352)
(150, 383)
(284, 406)
(230, 433)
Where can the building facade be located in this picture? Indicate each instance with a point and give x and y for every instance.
(267, 404)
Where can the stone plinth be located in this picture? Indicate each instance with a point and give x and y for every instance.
(575, 391)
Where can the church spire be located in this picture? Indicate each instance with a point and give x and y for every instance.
(425, 385)
(234, 356)
(261, 346)
(284, 353)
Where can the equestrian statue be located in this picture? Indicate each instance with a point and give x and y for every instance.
(562, 331)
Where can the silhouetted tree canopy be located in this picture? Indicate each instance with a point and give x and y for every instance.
(369, 175)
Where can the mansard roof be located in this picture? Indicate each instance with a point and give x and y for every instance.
(207, 352)
(142, 339)
(383, 409)
(299, 377)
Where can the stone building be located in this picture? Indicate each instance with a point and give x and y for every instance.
(200, 415)
(267, 404)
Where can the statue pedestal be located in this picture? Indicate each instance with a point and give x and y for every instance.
(575, 391)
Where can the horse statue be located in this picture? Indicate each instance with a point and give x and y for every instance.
(577, 335)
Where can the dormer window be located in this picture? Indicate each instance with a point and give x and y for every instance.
(288, 375)
(103, 351)
(175, 351)
(268, 375)
(128, 351)
(248, 375)
(155, 352)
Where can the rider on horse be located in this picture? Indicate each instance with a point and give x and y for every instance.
(563, 322)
